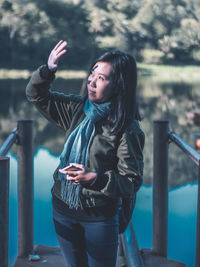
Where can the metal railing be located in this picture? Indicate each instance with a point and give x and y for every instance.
(195, 156)
(131, 248)
(162, 137)
(23, 137)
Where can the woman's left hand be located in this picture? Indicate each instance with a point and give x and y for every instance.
(82, 175)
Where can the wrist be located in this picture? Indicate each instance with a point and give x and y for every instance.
(94, 178)
(53, 70)
(46, 73)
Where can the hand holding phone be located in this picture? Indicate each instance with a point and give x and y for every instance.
(72, 168)
(78, 173)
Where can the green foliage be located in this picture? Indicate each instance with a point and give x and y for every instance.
(32, 27)
(169, 26)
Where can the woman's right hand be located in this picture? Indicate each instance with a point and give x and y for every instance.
(55, 54)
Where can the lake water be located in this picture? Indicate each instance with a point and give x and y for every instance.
(182, 212)
(159, 99)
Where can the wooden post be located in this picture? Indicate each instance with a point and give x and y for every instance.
(197, 261)
(160, 187)
(25, 188)
(4, 210)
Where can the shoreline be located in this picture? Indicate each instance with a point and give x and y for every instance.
(160, 72)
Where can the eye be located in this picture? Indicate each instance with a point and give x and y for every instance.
(101, 78)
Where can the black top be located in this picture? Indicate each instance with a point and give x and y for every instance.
(87, 214)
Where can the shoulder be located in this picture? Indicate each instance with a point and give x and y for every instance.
(133, 128)
(133, 133)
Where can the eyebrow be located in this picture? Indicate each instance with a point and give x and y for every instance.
(100, 72)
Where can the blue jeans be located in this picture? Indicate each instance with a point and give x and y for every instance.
(87, 244)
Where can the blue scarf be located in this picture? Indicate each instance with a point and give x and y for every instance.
(76, 150)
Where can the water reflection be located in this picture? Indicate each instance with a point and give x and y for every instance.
(158, 100)
(181, 222)
(182, 212)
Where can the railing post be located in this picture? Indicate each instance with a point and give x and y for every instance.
(160, 187)
(197, 261)
(25, 187)
(130, 248)
(4, 210)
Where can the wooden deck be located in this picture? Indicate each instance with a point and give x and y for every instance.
(152, 260)
(51, 257)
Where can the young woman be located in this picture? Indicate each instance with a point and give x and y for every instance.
(102, 159)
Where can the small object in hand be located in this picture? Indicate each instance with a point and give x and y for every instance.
(34, 257)
(72, 168)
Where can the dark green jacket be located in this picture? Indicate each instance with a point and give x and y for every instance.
(116, 158)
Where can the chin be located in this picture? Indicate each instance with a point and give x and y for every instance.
(95, 100)
(92, 99)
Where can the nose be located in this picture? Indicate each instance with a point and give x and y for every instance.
(92, 81)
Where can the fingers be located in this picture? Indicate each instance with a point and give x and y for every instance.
(59, 51)
(71, 176)
(62, 171)
(76, 180)
(71, 171)
(55, 54)
(60, 54)
(77, 176)
(60, 46)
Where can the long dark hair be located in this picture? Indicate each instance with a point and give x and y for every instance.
(124, 82)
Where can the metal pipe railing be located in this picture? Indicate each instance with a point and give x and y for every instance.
(130, 247)
(160, 187)
(191, 152)
(4, 210)
(197, 256)
(195, 156)
(8, 142)
(23, 135)
(25, 187)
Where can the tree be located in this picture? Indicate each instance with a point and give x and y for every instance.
(33, 27)
(110, 21)
(171, 26)
(30, 27)
(24, 24)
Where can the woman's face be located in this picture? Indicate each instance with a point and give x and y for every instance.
(99, 82)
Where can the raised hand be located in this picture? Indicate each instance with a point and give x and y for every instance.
(55, 54)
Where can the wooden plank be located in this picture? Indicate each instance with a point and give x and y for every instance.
(151, 260)
(49, 256)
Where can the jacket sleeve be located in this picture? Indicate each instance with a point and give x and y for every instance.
(56, 107)
(127, 178)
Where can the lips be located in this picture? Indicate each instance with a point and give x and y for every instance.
(92, 92)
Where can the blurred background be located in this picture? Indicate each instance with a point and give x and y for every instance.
(164, 38)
